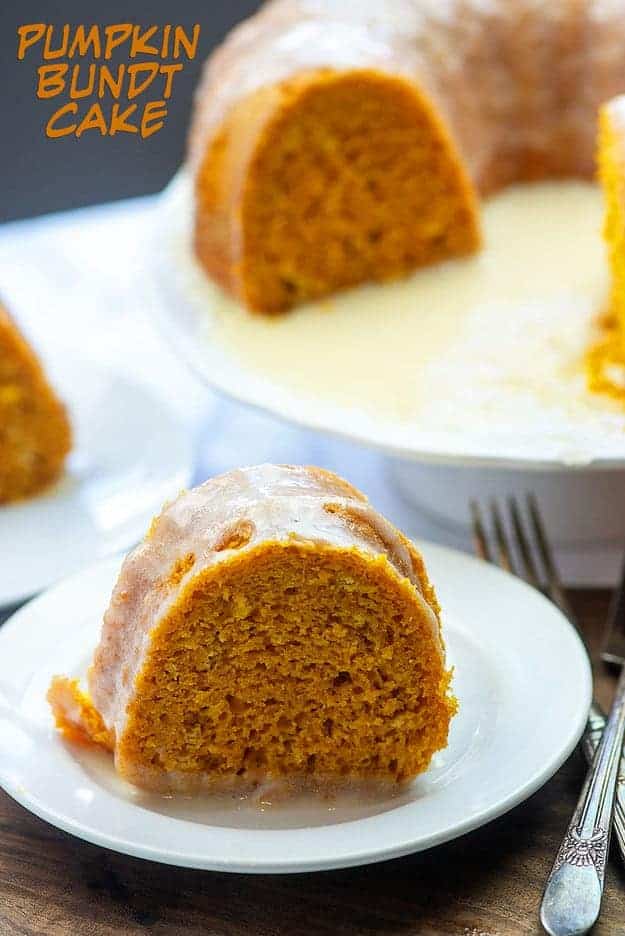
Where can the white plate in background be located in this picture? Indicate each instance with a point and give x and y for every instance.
(130, 454)
(521, 676)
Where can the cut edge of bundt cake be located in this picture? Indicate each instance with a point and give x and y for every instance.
(298, 642)
(35, 432)
(315, 184)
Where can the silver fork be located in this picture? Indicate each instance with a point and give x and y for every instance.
(614, 648)
(573, 894)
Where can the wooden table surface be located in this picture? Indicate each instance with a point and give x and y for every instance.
(488, 883)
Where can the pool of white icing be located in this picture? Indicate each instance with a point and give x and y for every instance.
(473, 358)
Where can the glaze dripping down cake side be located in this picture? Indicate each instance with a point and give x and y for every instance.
(35, 434)
(335, 143)
(271, 627)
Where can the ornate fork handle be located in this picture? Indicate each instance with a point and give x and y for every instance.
(589, 744)
(572, 898)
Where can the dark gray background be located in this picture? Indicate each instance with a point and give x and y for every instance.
(40, 175)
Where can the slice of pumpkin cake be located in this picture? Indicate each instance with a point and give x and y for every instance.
(271, 626)
(35, 434)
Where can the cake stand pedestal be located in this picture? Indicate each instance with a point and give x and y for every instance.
(583, 509)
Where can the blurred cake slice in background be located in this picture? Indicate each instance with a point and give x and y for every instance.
(606, 358)
(35, 434)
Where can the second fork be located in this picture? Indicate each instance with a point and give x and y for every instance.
(540, 571)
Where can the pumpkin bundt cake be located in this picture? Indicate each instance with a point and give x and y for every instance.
(35, 435)
(271, 627)
(334, 143)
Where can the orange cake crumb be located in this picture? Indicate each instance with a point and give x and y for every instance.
(75, 715)
(291, 662)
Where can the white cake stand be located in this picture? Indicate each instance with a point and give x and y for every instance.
(573, 459)
(584, 510)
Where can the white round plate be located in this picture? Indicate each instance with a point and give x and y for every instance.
(130, 454)
(496, 380)
(521, 676)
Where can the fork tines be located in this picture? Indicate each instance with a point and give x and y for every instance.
(518, 542)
